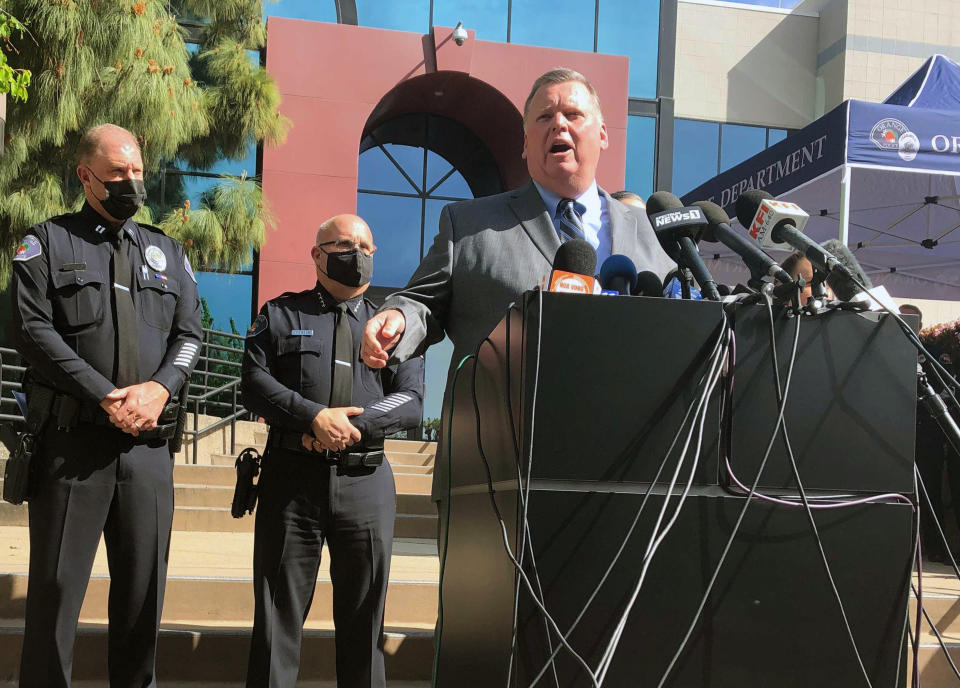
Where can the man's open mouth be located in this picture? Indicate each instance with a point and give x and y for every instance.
(560, 147)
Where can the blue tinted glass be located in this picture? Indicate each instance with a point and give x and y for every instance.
(395, 223)
(552, 24)
(739, 142)
(437, 362)
(632, 28)
(775, 136)
(317, 10)
(246, 165)
(409, 15)
(641, 142)
(437, 168)
(431, 222)
(378, 171)
(694, 153)
(227, 296)
(455, 186)
(487, 17)
(188, 187)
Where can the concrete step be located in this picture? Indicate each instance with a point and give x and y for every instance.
(213, 519)
(184, 474)
(219, 601)
(206, 655)
(222, 496)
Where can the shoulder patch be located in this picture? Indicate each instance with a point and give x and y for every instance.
(27, 249)
(259, 325)
(186, 266)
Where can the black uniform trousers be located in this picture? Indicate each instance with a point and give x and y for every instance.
(302, 503)
(95, 480)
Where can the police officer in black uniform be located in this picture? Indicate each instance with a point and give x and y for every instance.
(107, 317)
(324, 478)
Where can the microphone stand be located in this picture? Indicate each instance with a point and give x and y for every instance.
(937, 409)
(686, 280)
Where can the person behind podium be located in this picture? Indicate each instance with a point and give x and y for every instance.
(489, 251)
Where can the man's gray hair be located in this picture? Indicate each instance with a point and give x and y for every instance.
(561, 75)
(90, 142)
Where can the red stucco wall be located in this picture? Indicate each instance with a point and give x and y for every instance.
(332, 77)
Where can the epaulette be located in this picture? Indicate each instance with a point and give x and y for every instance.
(152, 228)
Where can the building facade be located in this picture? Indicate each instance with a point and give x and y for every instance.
(392, 119)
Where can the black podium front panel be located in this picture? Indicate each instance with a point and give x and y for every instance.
(851, 410)
(614, 377)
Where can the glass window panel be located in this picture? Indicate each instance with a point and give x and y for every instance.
(376, 171)
(455, 186)
(246, 165)
(431, 222)
(739, 142)
(437, 167)
(551, 24)
(437, 363)
(632, 28)
(775, 136)
(187, 187)
(316, 10)
(487, 17)
(409, 15)
(694, 153)
(395, 223)
(227, 296)
(641, 143)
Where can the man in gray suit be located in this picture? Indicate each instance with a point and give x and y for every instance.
(491, 250)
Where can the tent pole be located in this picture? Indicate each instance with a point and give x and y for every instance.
(845, 204)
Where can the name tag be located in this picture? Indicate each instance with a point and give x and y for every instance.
(302, 333)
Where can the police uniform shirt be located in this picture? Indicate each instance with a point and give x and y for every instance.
(63, 305)
(288, 367)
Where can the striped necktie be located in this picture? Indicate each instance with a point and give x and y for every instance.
(570, 224)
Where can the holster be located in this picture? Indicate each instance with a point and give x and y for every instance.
(17, 472)
(245, 493)
(176, 442)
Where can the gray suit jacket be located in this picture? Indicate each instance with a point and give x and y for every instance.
(490, 251)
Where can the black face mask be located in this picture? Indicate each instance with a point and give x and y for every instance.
(124, 196)
(351, 268)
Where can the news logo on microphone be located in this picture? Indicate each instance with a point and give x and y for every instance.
(771, 213)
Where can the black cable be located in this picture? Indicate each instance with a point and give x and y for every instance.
(914, 339)
(739, 521)
(802, 491)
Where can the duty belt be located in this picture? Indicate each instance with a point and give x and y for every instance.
(290, 441)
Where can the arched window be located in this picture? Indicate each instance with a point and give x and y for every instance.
(410, 167)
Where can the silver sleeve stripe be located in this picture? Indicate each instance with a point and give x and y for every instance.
(188, 350)
(391, 402)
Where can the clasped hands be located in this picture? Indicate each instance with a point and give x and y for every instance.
(332, 430)
(136, 407)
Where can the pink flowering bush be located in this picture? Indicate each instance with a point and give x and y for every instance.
(945, 336)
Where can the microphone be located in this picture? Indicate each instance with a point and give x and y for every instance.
(619, 274)
(648, 284)
(674, 226)
(841, 283)
(719, 229)
(771, 222)
(573, 267)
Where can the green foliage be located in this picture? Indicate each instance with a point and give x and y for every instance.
(431, 429)
(12, 81)
(126, 62)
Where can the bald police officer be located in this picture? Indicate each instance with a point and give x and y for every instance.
(107, 317)
(324, 477)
